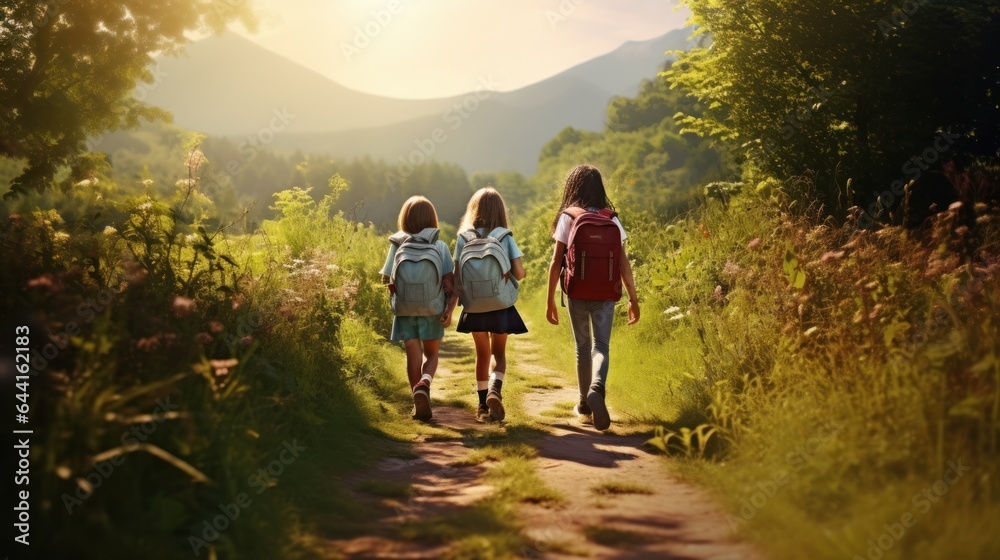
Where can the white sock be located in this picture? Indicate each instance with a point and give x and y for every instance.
(427, 377)
(496, 376)
(482, 385)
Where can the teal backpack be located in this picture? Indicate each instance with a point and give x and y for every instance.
(416, 282)
(484, 270)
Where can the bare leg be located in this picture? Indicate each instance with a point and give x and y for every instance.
(431, 348)
(498, 347)
(482, 340)
(413, 359)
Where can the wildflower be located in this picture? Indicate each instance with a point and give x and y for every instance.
(238, 301)
(147, 183)
(718, 293)
(811, 331)
(731, 268)
(875, 312)
(183, 306)
(110, 230)
(216, 327)
(134, 272)
(752, 246)
(203, 338)
(831, 257)
(221, 367)
(246, 340)
(671, 310)
(148, 344)
(43, 282)
(677, 317)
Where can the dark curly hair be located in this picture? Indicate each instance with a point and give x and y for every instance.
(584, 189)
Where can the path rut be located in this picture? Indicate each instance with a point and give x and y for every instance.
(620, 501)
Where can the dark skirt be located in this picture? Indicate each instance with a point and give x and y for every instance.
(504, 321)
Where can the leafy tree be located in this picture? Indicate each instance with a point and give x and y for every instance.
(659, 167)
(68, 70)
(855, 89)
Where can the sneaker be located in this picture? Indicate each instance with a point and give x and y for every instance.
(483, 413)
(602, 420)
(583, 409)
(495, 404)
(422, 402)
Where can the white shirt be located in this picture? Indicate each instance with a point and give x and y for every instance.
(565, 222)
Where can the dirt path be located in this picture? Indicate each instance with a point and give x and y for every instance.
(619, 501)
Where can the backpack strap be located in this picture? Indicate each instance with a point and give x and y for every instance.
(608, 213)
(427, 235)
(500, 233)
(399, 238)
(574, 212)
(469, 235)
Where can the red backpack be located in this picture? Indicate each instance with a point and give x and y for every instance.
(592, 264)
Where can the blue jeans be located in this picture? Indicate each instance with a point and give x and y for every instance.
(591, 317)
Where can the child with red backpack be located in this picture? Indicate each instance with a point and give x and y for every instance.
(487, 271)
(591, 266)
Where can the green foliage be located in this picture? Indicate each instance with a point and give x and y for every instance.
(69, 69)
(845, 90)
(656, 166)
(882, 365)
(251, 350)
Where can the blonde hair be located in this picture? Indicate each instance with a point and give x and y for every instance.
(416, 215)
(486, 210)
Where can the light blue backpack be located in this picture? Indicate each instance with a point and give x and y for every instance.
(417, 289)
(484, 270)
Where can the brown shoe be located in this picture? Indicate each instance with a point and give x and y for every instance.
(422, 402)
(494, 401)
(483, 413)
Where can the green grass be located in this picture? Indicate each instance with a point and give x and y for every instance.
(516, 480)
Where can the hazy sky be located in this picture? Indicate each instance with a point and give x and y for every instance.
(435, 48)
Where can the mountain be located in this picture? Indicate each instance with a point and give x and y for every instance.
(215, 90)
(228, 85)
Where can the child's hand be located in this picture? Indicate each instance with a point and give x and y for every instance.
(552, 313)
(633, 312)
(446, 320)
